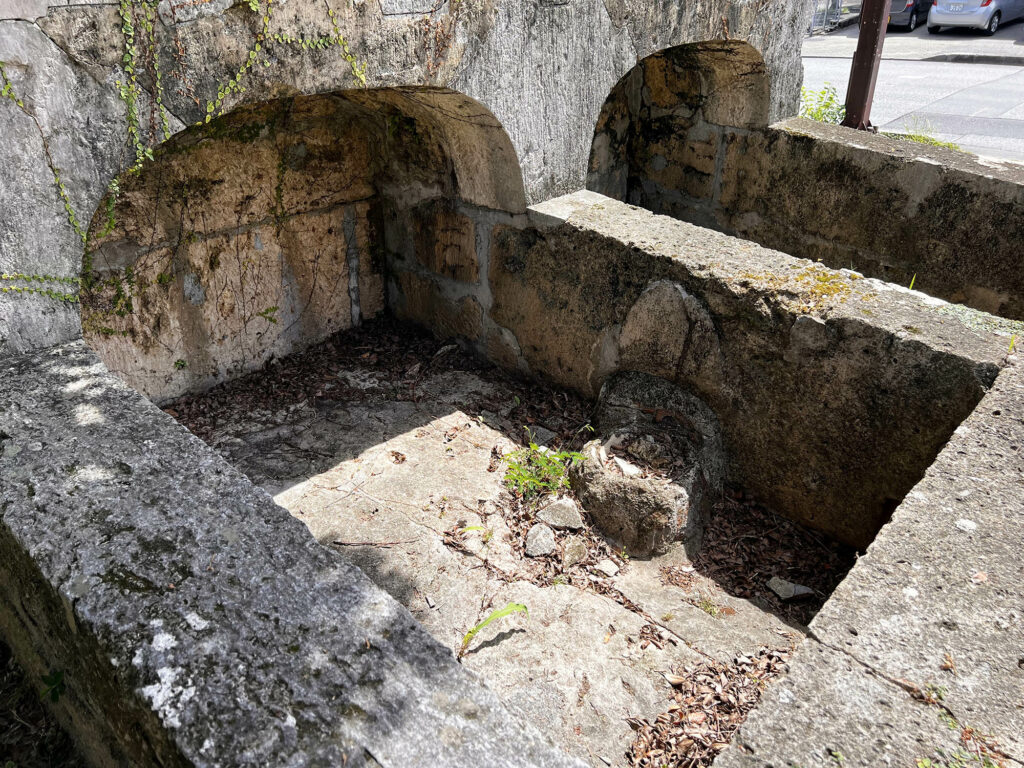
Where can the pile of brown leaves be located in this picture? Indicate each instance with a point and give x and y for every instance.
(401, 356)
(746, 544)
(711, 701)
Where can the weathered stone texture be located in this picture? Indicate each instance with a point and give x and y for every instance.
(833, 432)
(243, 242)
(75, 116)
(891, 209)
(936, 601)
(196, 622)
(543, 69)
(663, 124)
(271, 228)
(642, 417)
(829, 710)
(424, 301)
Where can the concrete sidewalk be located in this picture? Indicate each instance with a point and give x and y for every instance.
(979, 107)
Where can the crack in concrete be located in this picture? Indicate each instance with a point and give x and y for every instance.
(912, 690)
(76, 62)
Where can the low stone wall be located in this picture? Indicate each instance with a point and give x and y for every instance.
(834, 392)
(917, 655)
(194, 622)
(889, 208)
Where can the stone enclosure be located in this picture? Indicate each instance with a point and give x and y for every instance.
(719, 306)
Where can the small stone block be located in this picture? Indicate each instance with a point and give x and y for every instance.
(562, 513)
(540, 541)
(787, 590)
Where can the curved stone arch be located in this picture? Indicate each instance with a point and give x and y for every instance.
(280, 223)
(665, 127)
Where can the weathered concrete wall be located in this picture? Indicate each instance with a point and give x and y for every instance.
(662, 127)
(834, 393)
(542, 68)
(243, 241)
(889, 208)
(917, 655)
(263, 231)
(195, 622)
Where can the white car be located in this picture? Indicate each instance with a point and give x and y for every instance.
(980, 14)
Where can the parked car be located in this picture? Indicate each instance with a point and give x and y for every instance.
(980, 14)
(908, 13)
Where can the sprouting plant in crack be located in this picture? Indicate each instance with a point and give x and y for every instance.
(533, 470)
(709, 606)
(933, 694)
(485, 533)
(957, 758)
(55, 685)
(501, 613)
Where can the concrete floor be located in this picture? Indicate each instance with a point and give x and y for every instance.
(977, 105)
(394, 464)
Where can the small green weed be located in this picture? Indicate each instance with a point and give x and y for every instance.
(823, 106)
(923, 138)
(485, 533)
(180, 365)
(920, 131)
(534, 471)
(709, 606)
(934, 693)
(501, 613)
(55, 686)
(958, 758)
(1013, 344)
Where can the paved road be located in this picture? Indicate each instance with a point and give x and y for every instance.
(979, 106)
(1007, 42)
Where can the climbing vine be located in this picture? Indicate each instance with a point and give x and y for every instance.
(47, 281)
(140, 56)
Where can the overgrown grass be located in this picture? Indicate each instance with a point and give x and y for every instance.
(824, 106)
(924, 138)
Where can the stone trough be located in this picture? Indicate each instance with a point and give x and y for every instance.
(259, 428)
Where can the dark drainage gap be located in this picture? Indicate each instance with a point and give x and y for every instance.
(29, 734)
(755, 553)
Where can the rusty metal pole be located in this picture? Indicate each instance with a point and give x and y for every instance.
(874, 17)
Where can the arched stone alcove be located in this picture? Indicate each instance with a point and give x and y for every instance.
(281, 223)
(664, 129)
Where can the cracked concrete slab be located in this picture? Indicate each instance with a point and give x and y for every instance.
(831, 711)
